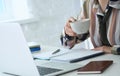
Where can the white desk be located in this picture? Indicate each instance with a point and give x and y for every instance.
(113, 70)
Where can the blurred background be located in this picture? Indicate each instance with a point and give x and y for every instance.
(42, 21)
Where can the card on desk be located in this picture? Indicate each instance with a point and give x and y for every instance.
(95, 67)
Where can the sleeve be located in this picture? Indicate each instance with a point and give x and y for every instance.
(116, 50)
(85, 10)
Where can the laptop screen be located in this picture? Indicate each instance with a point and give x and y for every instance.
(15, 56)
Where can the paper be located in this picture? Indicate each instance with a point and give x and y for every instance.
(49, 54)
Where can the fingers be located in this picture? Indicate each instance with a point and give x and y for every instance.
(70, 44)
(68, 29)
(72, 19)
(97, 49)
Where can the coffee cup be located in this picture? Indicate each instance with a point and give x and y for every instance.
(80, 26)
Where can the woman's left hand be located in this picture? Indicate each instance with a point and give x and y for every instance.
(105, 49)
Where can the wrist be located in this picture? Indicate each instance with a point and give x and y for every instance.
(115, 50)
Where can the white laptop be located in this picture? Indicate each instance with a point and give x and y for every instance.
(16, 58)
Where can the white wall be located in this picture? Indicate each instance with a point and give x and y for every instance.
(52, 15)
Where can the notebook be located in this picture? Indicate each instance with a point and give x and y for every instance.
(16, 58)
(95, 67)
(70, 56)
(77, 55)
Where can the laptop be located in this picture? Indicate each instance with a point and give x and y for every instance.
(16, 58)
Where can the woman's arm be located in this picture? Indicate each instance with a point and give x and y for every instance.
(68, 37)
(110, 50)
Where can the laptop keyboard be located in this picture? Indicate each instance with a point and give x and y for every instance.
(45, 70)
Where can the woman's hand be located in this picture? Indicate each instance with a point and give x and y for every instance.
(68, 29)
(71, 43)
(105, 49)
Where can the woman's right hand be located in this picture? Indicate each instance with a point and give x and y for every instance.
(68, 30)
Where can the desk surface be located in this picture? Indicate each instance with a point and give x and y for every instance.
(113, 70)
